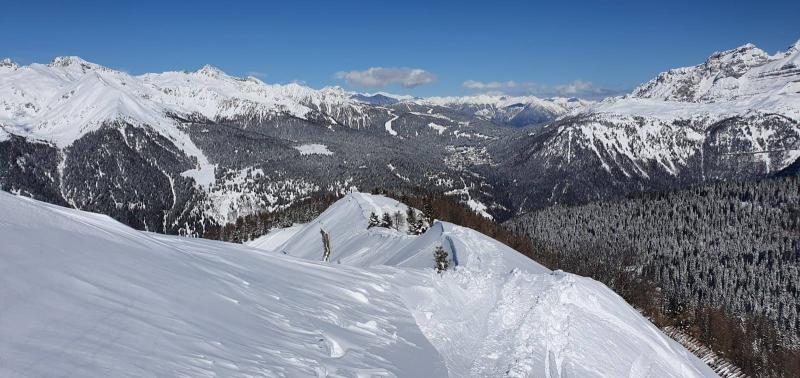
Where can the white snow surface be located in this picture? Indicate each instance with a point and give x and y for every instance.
(65, 99)
(498, 311)
(388, 124)
(313, 149)
(438, 128)
(274, 238)
(84, 295)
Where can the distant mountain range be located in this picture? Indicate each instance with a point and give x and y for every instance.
(176, 151)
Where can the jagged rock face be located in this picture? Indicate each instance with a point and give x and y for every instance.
(173, 152)
(591, 158)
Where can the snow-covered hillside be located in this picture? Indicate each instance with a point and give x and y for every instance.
(523, 320)
(733, 82)
(86, 296)
(352, 243)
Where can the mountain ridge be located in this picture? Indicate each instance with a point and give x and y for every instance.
(212, 147)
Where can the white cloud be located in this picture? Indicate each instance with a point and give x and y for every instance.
(377, 77)
(577, 88)
(472, 84)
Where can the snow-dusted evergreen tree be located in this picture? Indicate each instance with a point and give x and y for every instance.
(427, 212)
(734, 245)
(411, 221)
(373, 220)
(441, 259)
(422, 225)
(386, 221)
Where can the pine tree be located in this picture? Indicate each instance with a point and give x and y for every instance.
(386, 221)
(427, 211)
(441, 259)
(373, 220)
(411, 220)
(421, 228)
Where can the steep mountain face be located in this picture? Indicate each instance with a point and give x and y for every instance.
(735, 116)
(95, 296)
(176, 151)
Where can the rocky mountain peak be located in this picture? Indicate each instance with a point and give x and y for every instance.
(210, 71)
(737, 61)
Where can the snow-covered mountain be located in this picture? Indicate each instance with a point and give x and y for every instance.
(742, 73)
(516, 111)
(84, 295)
(65, 124)
(180, 152)
(735, 116)
(381, 98)
(71, 96)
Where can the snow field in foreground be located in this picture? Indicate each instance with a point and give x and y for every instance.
(86, 296)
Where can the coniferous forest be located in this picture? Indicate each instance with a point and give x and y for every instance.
(718, 261)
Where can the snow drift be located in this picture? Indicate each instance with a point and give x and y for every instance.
(84, 295)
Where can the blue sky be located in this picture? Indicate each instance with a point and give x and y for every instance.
(458, 47)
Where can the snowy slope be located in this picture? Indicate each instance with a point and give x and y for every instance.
(64, 100)
(734, 117)
(70, 97)
(498, 312)
(274, 238)
(352, 243)
(86, 296)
